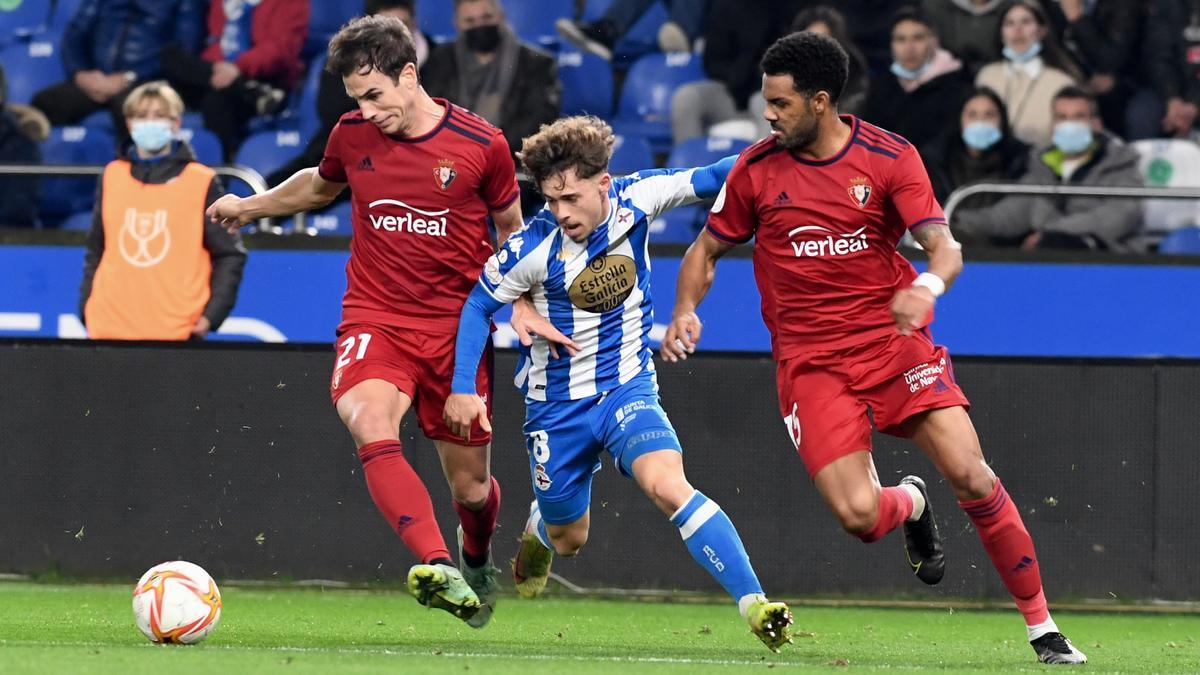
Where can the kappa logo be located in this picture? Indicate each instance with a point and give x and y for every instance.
(145, 239)
(860, 191)
(829, 246)
(445, 174)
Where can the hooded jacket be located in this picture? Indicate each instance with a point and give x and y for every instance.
(116, 36)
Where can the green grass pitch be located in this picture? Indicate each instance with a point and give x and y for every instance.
(89, 629)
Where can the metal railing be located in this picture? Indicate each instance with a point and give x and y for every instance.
(247, 175)
(956, 198)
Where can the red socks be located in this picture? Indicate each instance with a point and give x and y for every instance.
(895, 504)
(402, 499)
(1010, 547)
(478, 526)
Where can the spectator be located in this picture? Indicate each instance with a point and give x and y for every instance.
(968, 29)
(870, 24)
(686, 20)
(919, 97)
(1033, 70)
(1082, 154)
(736, 35)
(828, 21)
(251, 61)
(980, 147)
(489, 70)
(1103, 36)
(155, 267)
(332, 101)
(21, 129)
(1171, 45)
(109, 46)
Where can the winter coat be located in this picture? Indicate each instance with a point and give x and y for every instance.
(18, 194)
(967, 31)
(920, 115)
(116, 36)
(278, 29)
(226, 250)
(951, 165)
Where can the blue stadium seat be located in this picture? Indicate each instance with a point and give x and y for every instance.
(264, 152)
(205, 145)
(28, 18)
(630, 153)
(102, 120)
(31, 66)
(645, 106)
(326, 17)
(334, 220)
(642, 36)
(533, 20)
(72, 145)
(587, 83)
(77, 222)
(63, 11)
(1184, 241)
(437, 18)
(594, 9)
(704, 151)
(678, 226)
(307, 114)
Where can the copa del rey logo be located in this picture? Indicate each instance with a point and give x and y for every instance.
(411, 219)
(822, 242)
(860, 191)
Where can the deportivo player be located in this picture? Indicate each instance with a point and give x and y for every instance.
(827, 198)
(425, 175)
(585, 260)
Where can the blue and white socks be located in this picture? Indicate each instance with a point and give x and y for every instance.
(715, 545)
(537, 527)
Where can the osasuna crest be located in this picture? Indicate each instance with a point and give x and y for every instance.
(860, 191)
(445, 174)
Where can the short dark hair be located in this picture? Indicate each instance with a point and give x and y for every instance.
(1072, 91)
(816, 63)
(913, 14)
(583, 143)
(376, 6)
(380, 43)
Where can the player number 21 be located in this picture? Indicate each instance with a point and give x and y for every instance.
(347, 345)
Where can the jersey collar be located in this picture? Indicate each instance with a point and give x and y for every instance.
(429, 134)
(848, 119)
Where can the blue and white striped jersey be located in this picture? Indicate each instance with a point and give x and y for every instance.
(596, 292)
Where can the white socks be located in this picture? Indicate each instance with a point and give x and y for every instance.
(1042, 628)
(747, 600)
(918, 501)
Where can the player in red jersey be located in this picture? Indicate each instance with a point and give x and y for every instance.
(827, 198)
(425, 175)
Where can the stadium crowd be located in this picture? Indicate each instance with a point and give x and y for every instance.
(1059, 92)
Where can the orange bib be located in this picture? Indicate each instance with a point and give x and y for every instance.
(152, 282)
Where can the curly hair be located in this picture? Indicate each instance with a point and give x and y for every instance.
(583, 143)
(816, 63)
(380, 43)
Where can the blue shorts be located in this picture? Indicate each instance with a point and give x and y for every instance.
(565, 439)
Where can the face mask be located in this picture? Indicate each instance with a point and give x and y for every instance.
(151, 135)
(906, 74)
(981, 135)
(1072, 137)
(1027, 55)
(483, 39)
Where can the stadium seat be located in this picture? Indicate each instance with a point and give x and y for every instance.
(704, 151)
(533, 20)
(645, 106)
(630, 153)
(1169, 163)
(677, 226)
(308, 117)
(62, 13)
(72, 145)
(587, 83)
(334, 220)
(205, 145)
(27, 18)
(31, 66)
(437, 18)
(77, 222)
(326, 17)
(1184, 241)
(264, 152)
(102, 120)
(642, 36)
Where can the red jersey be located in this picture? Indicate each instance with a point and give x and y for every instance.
(419, 212)
(825, 234)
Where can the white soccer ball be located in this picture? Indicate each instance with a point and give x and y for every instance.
(176, 602)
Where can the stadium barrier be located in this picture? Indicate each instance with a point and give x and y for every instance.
(956, 198)
(115, 457)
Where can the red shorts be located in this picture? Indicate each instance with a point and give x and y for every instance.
(824, 396)
(420, 365)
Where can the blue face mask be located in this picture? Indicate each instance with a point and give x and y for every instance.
(1072, 138)
(904, 73)
(1027, 55)
(151, 135)
(981, 135)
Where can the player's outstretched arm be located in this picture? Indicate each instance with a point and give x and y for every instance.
(696, 274)
(304, 191)
(507, 221)
(912, 306)
(464, 405)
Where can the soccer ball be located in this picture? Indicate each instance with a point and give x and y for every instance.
(176, 602)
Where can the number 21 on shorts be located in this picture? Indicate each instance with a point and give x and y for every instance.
(347, 346)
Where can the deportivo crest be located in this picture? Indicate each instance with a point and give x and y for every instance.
(860, 191)
(445, 174)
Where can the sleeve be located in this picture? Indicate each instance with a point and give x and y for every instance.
(278, 33)
(228, 261)
(77, 37)
(517, 266)
(474, 326)
(189, 25)
(733, 218)
(1109, 219)
(911, 193)
(93, 251)
(498, 186)
(655, 191)
(331, 167)
(1161, 53)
